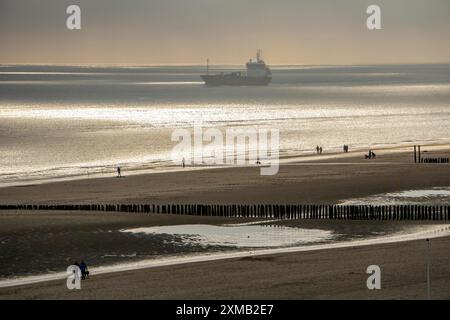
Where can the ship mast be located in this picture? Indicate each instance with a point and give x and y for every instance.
(258, 55)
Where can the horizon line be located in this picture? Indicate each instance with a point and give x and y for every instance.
(125, 65)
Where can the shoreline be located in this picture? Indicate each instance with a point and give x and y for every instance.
(316, 179)
(288, 159)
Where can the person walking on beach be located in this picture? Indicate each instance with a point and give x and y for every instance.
(317, 149)
(118, 172)
(320, 150)
(345, 148)
(183, 162)
(84, 270)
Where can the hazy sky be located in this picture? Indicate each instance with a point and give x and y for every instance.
(146, 32)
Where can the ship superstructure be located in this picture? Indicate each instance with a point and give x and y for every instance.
(257, 73)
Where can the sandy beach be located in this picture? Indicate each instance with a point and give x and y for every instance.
(329, 179)
(329, 274)
(324, 274)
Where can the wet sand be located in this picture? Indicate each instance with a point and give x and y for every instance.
(329, 179)
(34, 243)
(43, 242)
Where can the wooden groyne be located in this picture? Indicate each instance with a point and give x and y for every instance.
(419, 159)
(265, 211)
(435, 160)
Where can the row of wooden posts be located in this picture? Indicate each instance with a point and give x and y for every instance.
(435, 160)
(418, 158)
(269, 211)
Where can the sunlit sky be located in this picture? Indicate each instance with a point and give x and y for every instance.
(152, 32)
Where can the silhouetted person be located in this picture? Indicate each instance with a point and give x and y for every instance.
(345, 148)
(118, 172)
(183, 162)
(317, 149)
(371, 155)
(84, 270)
(320, 150)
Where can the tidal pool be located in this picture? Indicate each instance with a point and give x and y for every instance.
(433, 196)
(245, 235)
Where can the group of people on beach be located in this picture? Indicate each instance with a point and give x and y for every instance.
(119, 170)
(83, 268)
(319, 150)
(370, 155)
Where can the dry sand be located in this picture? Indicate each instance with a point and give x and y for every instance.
(327, 274)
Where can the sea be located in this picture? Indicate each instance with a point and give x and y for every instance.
(71, 122)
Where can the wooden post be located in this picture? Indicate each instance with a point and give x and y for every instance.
(415, 154)
(418, 155)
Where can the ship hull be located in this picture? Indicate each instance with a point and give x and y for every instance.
(226, 80)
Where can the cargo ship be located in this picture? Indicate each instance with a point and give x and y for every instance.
(257, 74)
